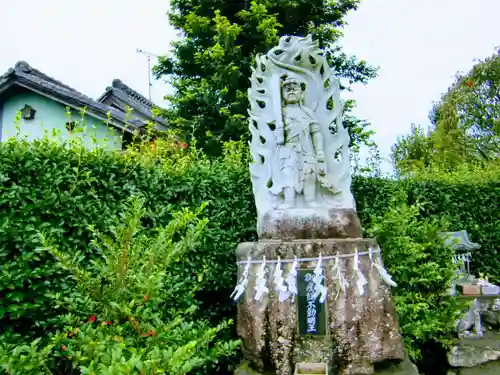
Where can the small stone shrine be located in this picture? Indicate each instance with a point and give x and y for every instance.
(313, 295)
(477, 352)
(463, 247)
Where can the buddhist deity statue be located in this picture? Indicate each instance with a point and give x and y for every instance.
(313, 294)
(299, 146)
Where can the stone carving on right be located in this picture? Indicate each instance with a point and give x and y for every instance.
(299, 144)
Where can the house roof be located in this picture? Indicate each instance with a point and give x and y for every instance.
(459, 240)
(119, 96)
(23, 75)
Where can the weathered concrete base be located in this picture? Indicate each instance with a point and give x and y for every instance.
(472, 355)
(479, 355)
(403, 368)
(362, 329)
(309, 223)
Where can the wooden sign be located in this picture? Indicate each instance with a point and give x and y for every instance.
(312, 313)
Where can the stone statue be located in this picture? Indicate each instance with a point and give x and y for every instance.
(299, 146)
(482, 309)
(333, 314)
(471, 319)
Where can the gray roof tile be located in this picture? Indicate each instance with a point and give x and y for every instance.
(26, 76)
(120, 95)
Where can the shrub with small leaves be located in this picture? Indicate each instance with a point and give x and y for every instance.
(422, 266)
(467, 198)
(123, 316)
(62, 190)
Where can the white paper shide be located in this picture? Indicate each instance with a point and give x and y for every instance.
(287, 287)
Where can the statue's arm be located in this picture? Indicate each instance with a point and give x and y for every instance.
(317, 141)
(279, 132)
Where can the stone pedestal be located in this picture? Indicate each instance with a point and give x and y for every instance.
(478, 354)
(310, 223)
(362, 330)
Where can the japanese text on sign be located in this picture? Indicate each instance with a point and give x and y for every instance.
(311, 313)
(311, 303)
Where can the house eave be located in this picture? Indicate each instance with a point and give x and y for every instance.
(105, 95)
(111, 113)
(121, 96)
(75, 104)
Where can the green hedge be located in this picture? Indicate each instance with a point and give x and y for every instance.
(61, 191)
(472, 204)
(419, 262)
(467, 199)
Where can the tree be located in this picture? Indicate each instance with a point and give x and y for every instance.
(211, 64)
(465, 124)
(412, 152)
(478, 105)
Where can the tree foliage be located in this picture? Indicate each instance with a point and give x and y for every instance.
(465, 125)
(210, 65)
(413, 152)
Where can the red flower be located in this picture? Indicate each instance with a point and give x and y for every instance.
(469, 83)
(64, 348)
(149, 333)
(107, 323)
(92, 319)
(146, 298)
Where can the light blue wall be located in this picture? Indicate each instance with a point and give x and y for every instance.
(51, 118)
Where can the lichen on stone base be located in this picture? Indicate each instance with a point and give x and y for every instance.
(362, 329)
(309, 223)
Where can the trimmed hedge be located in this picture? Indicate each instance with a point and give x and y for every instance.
(467, 199)
(62, 191)
(470, 201)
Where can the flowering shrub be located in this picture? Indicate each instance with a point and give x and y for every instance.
(130, 312)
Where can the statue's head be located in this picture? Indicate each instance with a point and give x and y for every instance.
(292, 91)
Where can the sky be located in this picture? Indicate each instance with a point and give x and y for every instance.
(417, 45)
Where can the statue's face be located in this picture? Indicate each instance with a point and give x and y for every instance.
(292, 93)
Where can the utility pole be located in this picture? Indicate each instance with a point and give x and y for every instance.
(148, 54)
